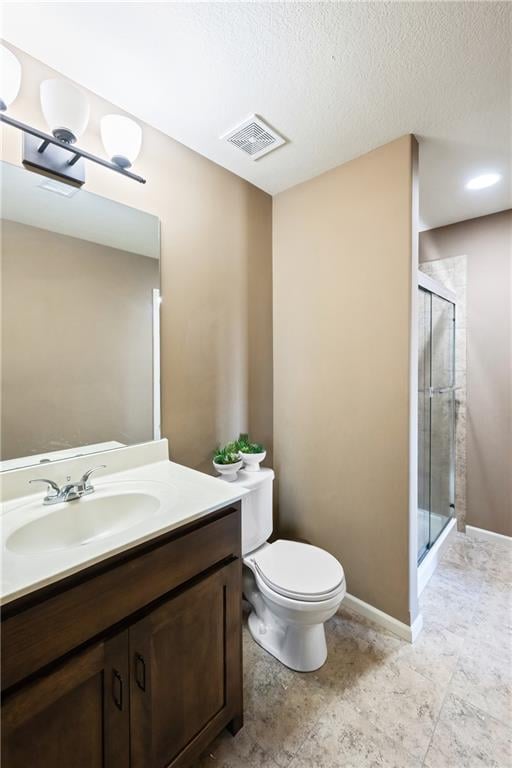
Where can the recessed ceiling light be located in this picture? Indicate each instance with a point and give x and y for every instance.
(483, 181)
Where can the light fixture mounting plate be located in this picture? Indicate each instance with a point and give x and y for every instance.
(52, 161)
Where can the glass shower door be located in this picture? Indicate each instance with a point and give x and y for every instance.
(442, 416)
(424, 302)
(436, 412)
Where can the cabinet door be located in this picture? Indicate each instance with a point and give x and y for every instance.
(185, 660)
(76, 716)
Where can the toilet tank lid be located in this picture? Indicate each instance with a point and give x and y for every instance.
(295, 568)
(252, 479)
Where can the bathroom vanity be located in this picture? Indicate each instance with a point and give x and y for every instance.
(120, 592)
(125, 651)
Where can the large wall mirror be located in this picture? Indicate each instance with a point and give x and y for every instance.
(80, 279)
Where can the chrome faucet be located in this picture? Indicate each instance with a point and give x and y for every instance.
(70, 491)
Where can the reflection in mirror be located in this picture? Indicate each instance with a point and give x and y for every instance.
(79, 318)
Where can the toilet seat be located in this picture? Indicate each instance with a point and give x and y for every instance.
(298, 571)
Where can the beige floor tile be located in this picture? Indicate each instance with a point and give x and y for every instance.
(500, 567)
(281, 727)
(355, 649)
(445, 604)
(495, 593)
(377, 700)
(281, 707)
(483, 677)
(469, 553)
(263, 674)
(383, 643)
(466, 580)
(401, 702)
(492, 619)
(434, 655)
(235, 752)
(466, 737)
(344, 737)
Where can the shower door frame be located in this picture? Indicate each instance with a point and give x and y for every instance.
(434, 287)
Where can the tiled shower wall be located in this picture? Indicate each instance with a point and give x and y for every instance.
(452, 273)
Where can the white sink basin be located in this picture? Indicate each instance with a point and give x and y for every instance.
(84, 521)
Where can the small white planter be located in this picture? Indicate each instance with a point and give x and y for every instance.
(252, 461)
(228, 471)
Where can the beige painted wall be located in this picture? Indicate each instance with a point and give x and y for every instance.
(342, 293)
(216, 273)
(77, 356)
(487, 243)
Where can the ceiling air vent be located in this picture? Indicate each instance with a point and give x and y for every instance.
(254, 137)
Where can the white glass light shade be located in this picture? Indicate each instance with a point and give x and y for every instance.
(122, 139)
(10, 77)
(65, 108)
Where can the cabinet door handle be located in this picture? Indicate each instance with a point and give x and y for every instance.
(140, 671)
(117, 689)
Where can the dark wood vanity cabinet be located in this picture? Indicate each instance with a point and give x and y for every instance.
(74, 715)
(150, 691)
(186, 658)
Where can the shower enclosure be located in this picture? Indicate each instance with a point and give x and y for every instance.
(436, 411)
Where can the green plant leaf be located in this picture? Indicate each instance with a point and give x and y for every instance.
(227, 455)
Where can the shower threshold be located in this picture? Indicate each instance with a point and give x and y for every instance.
(431, 556)
(430, 527)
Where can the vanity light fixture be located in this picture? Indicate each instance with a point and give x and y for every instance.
(122, 139)
(66, 110)
(10, 77)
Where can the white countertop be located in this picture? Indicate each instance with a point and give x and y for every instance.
(185, 495)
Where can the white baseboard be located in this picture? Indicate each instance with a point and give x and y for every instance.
(483, 535)
(406, 632)
(429, 563)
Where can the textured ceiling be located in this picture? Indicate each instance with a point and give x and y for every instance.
(337, 79)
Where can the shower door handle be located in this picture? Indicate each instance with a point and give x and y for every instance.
(431, 391)
(443, 390)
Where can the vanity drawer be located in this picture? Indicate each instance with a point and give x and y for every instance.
(48, 628)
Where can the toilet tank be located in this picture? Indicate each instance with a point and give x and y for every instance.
(257, 514)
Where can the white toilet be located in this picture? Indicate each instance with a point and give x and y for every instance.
(293, 588)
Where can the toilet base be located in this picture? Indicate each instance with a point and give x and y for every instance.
(298, 646)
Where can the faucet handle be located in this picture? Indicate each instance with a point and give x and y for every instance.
(84, 480)
(49, 483)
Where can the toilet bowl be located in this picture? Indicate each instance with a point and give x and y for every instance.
(291, 587)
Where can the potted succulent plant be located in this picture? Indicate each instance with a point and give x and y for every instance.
(252, 454)
(227, 461)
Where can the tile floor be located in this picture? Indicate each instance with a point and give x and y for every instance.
(444, 702)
